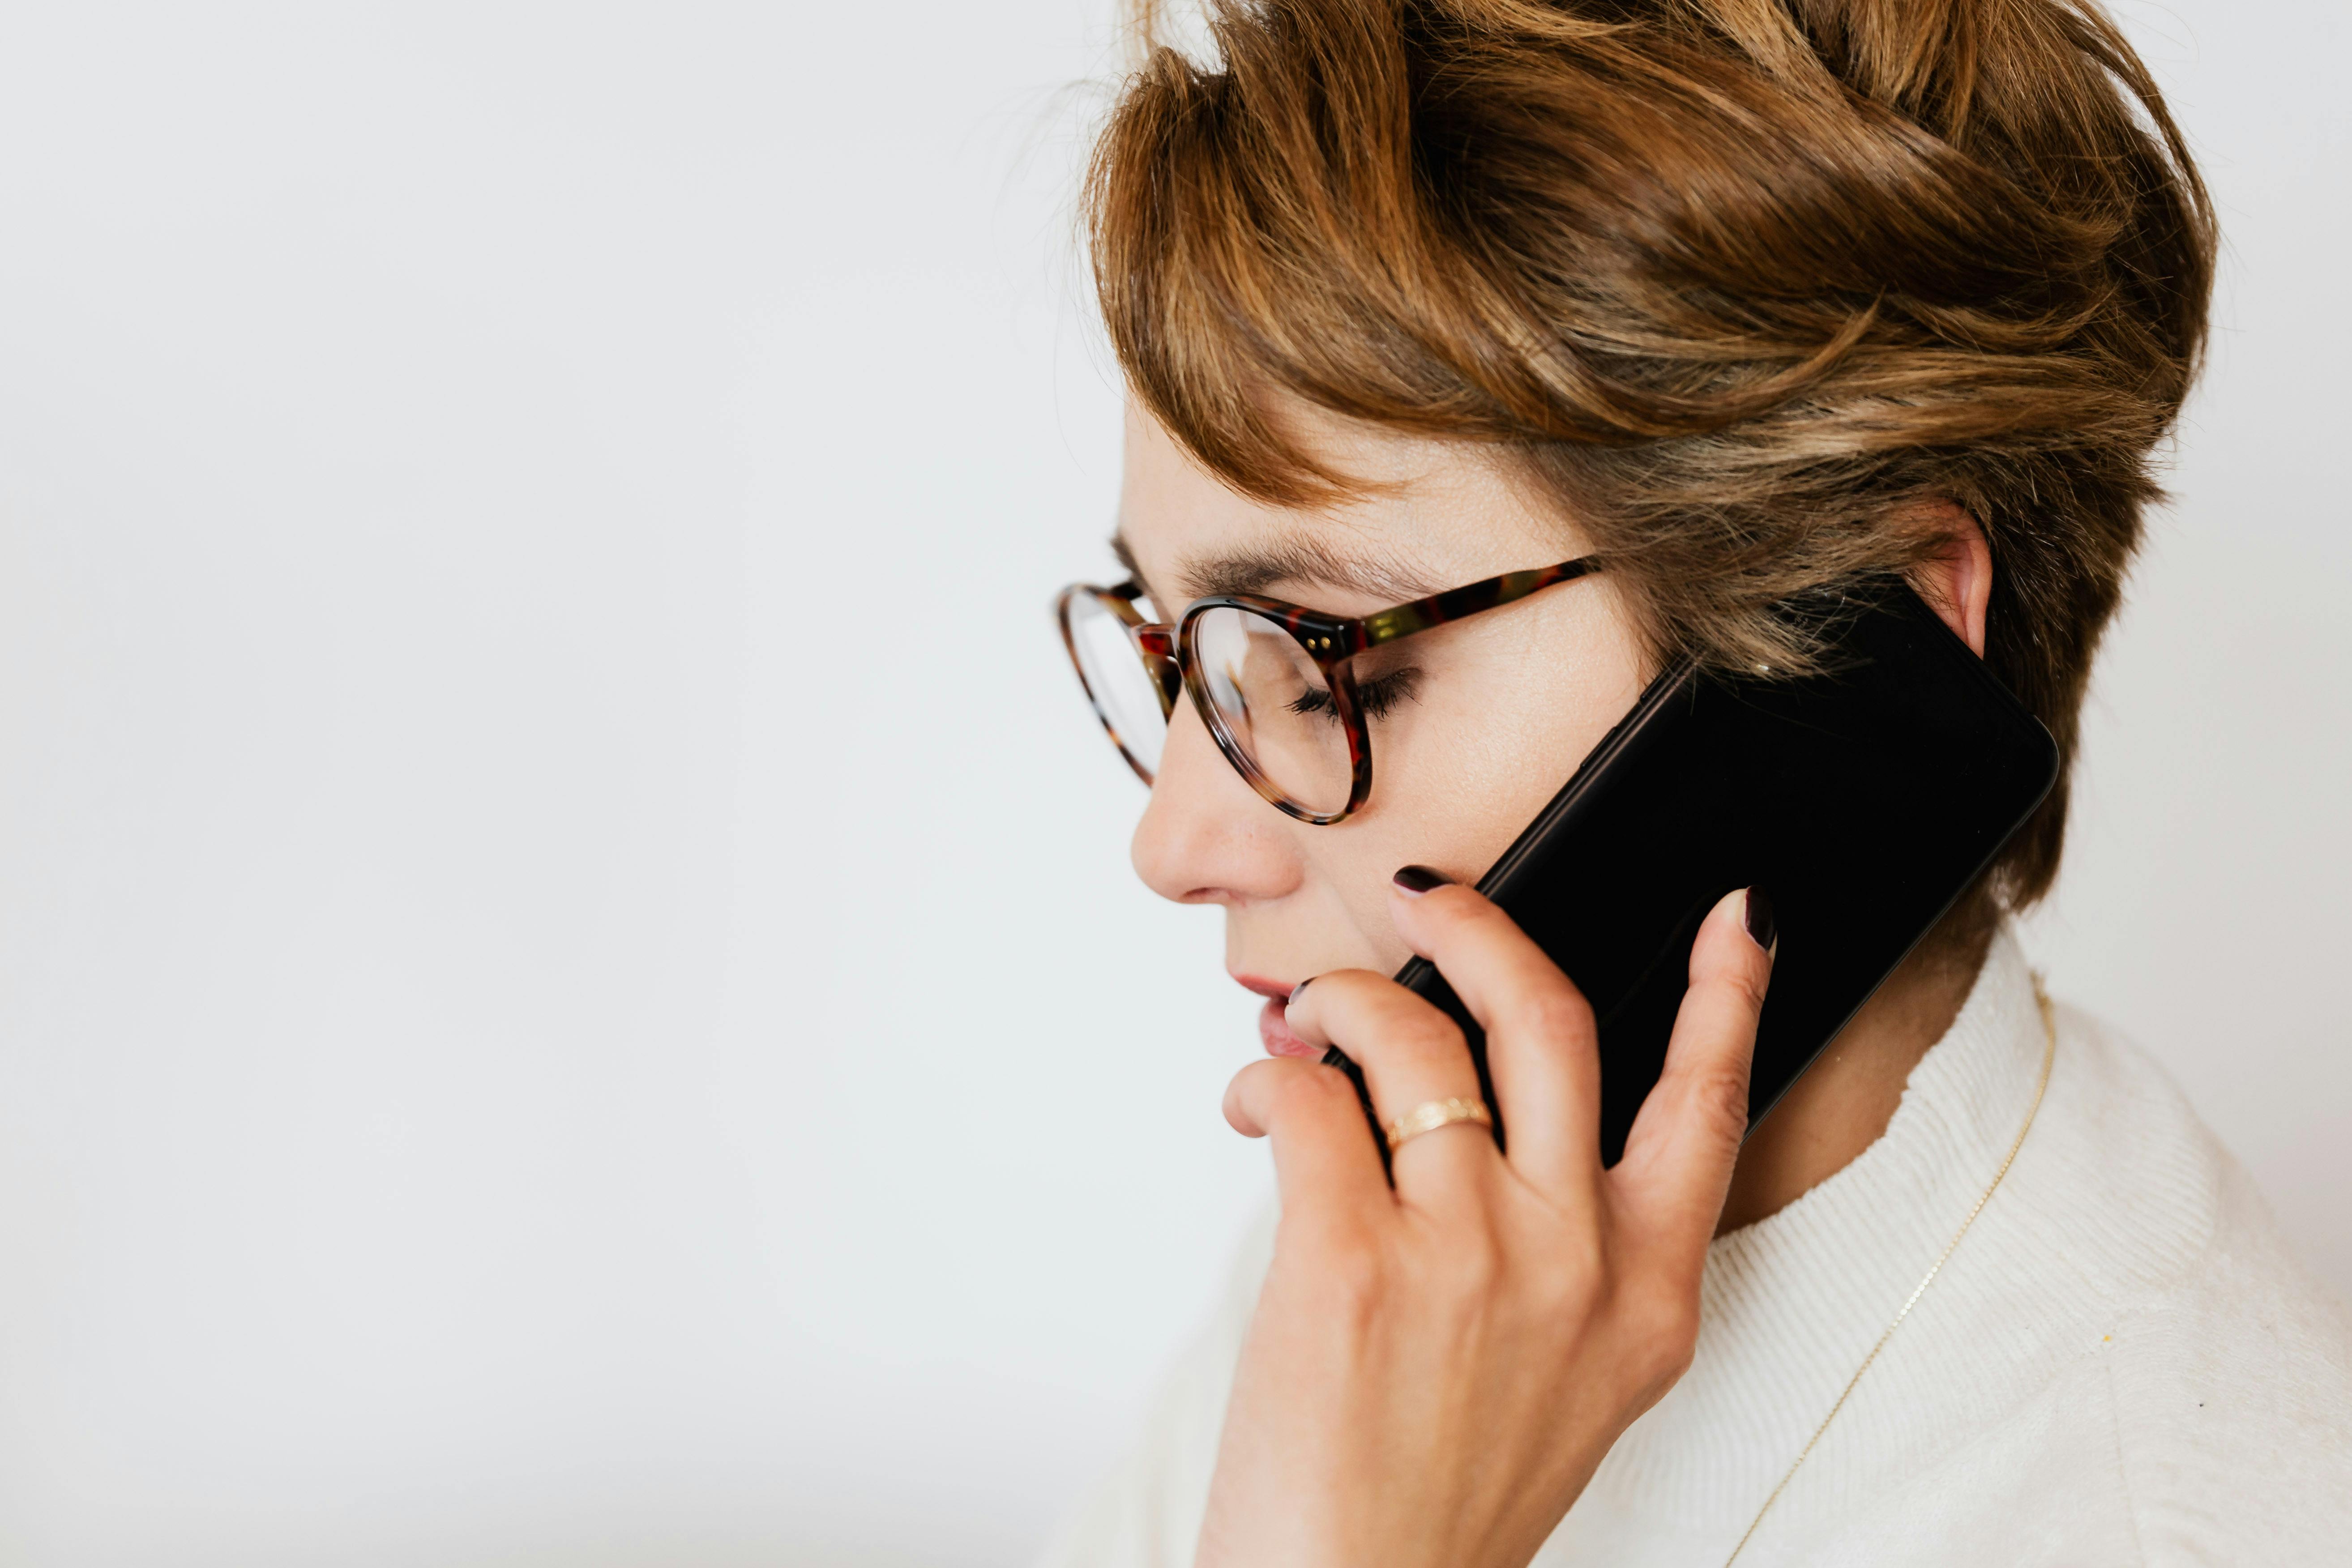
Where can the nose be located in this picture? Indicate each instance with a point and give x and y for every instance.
(1206, 837)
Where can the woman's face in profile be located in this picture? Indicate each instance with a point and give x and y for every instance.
(1484, 718)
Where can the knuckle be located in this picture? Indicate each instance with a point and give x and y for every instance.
(1675, 1311)
(1718, 1095)
(1576, 1275)
(1272, 1084)
(1315, 1084)
(1371, 1013)
(1333, 994)
(1486, 920)
(1665, 1311)
(1473, 1265)
(1288, 1097)
(1333, 982)
(1348, 1275)
(1457, 913)
(1750, 982)
(1419, 1032)
(1315, 1095)
(1430, 1033)
(1557, 1012)
(1671, 1355)
(1264, 1076)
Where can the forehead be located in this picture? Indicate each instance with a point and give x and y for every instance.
(1442, 514)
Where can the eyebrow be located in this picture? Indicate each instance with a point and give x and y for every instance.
(1291, 561)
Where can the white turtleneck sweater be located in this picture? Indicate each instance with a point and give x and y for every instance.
(2122, 1364)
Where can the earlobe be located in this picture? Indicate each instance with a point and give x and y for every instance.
(1956, 580)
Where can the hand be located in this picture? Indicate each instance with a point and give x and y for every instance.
(1433, 1372)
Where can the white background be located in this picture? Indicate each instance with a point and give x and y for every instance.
(569, 989)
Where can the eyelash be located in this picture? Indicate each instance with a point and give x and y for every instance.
(1375, 699)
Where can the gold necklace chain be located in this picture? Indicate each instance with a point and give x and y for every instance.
(2048, 1054)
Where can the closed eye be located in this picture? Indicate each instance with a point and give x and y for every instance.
(1374, 699)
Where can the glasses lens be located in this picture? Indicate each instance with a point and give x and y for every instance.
(1117, 679)
(1274, 707)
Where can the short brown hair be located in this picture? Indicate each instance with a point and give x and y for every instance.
(1744, 283)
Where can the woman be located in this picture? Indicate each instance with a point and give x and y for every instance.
(1737, 297)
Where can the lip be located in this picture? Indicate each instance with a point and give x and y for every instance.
(1276, 989)
(1273, 1027)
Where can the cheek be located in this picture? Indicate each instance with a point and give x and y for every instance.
(1497, 726)
(1459, 773)
(1456, 777)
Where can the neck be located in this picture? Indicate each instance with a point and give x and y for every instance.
(1842, 1103)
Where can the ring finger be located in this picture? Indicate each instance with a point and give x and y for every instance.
(1413, 1057)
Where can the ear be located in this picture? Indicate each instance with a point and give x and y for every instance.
(1956, 580)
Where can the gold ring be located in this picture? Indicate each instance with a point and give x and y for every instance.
(1434, 1114)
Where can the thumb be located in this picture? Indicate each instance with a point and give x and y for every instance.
(1679, 1155)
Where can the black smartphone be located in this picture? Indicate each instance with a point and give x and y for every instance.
(1865, 798)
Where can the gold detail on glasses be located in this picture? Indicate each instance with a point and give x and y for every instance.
(1273, 681)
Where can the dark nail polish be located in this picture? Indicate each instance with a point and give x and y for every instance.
(1297, 989)
(1420, 879)
(1760, 928)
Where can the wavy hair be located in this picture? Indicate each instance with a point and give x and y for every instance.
(1749, 286)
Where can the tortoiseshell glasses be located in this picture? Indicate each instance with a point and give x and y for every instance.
(1275, 683)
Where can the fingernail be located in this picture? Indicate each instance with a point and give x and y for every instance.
(1420, 879)
(1760, 928)
(1297, 989)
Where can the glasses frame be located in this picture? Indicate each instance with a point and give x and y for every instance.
(1171, 655)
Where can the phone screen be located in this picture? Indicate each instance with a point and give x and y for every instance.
(1864, 799)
